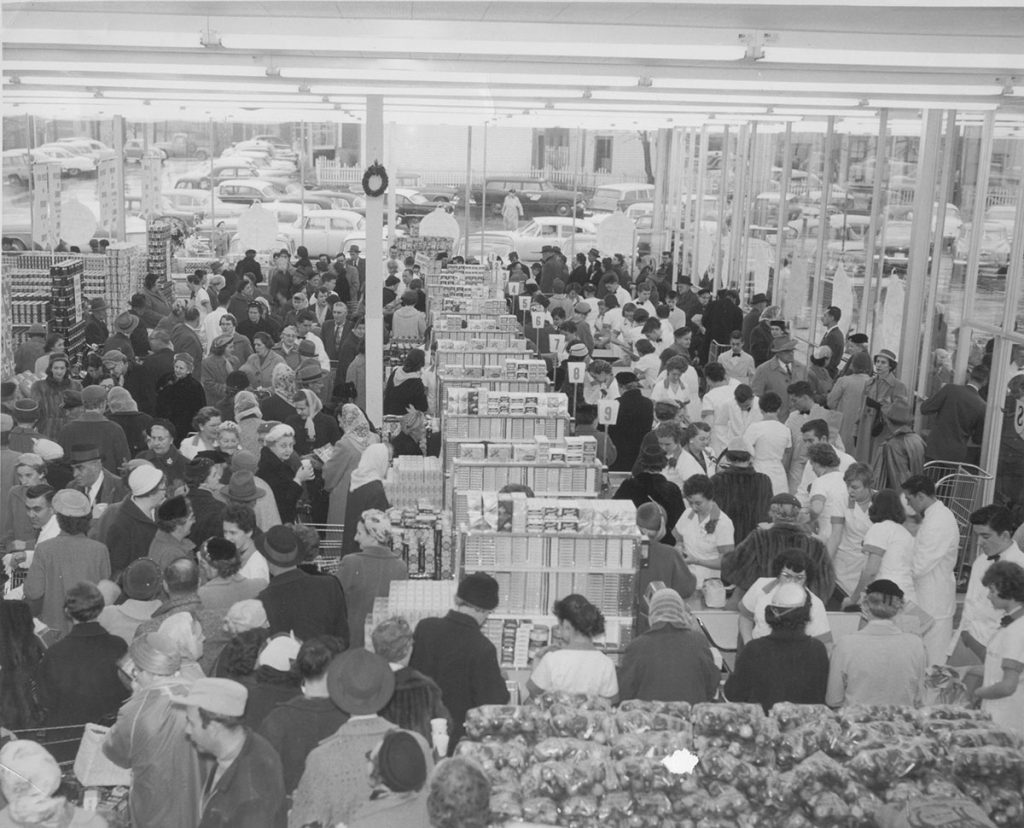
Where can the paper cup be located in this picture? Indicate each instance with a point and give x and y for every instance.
(439, 727)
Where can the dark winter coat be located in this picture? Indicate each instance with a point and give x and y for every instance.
(305, 604)
(78, 679)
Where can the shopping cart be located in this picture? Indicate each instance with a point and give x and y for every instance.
(959, 487)
(329, 558)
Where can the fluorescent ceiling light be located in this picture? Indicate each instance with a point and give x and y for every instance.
(380, 42)
(134, 70)
(688, 98)
(257, 87)
(102, 37)
(852, 87)
(919, 104)
(868, 57)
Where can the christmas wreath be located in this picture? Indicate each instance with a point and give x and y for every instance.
(375, 180)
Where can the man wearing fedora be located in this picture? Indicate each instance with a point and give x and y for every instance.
(458, 656)
(245, 786)
(31, 349)
(93, 428)
(96, 331)
(296, 601)
(777, 373)
(336, 782)
(91, 478)
(149, 737)
(120, 340)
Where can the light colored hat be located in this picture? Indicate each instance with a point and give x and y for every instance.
(245, 615)
(155, 653)
(27, 769)
(71, 503)
(144, 479)
(30, 459)
(666, 606)
(279, 431)
(738, 444)
(219, 696)
(279, 653)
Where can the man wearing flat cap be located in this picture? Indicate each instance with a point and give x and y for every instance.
(777, 374)
(336, 782)
(90, 477)
(458, 656)
(92, 427)
(879, 663)
(63, 561)
(245, 786)
(24, 434)
(149, 737)
(96, 331)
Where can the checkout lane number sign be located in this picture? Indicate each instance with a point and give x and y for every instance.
(1018, 418)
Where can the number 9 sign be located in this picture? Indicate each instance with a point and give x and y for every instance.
(607, 412)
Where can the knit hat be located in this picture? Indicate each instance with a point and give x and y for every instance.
(578, 350)
(307, 349)
(30, 459)
(278, 431)
(25, 411)
(187, 359)
(479, 590)
(245, 615)
(401, 763)
(174, 508)
(94, 395)
(144, 479)
(155, 653)
(377, 525)
(279, 653)
(665, 605)
(244, 461)
(281, 547)
(142, 579)
(360, 682)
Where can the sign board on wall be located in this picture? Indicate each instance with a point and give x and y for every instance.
(108, 195)
(151, 184)
(46, 208)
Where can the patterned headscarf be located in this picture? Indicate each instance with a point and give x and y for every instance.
(356, 426)
(313, 406)
(282, 379)
(378, 525)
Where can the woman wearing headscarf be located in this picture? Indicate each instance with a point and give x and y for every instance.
(412, 439)
(180, 400)
(249, 418)
(29, 779)
(365, 492)
(277, 472)
(49, 393)
(880, 394)
(367, 574)
(278, 406)
(404, 388)
(216, 366)
(847, 396)
(313, 428)
(259, 367)
(672, 660)
(123, 410)
(357, 436)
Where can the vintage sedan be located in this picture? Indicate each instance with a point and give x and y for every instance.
(325, 231)
(556, 231)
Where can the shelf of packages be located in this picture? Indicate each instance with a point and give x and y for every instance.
(518, 636)
(415, 481)
(502, 427)
(534, 570)
(446, 358)
(426, 551)
(28, 309)
(544, 479)
(490, 339)
(445, 381)
(190, 264)
(397, 350)
(505, 322)
(474, 307)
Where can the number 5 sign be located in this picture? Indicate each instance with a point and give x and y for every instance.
(607, 412)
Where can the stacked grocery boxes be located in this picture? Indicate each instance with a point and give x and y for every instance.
(66, 313)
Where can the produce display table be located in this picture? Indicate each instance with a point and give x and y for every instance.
(573, 761)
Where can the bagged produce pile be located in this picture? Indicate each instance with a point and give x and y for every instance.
(574, 761)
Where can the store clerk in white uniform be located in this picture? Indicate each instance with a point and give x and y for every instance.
(704, 533)
(829, 496)
(791, 568)
(993, 527)
(851, 556)
(1002, 691)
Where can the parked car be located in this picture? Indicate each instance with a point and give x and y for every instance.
(325, 231)
(71, 164)
(556, 231)
(897, 246)
(135, 150)
(17, 167)
(1004, 214)
(248, 191)
(611, 197)
(261, 159)
(199, 201)
(165, 209)
(182, 145)
(281, 151)
(340, 200)
(993, 249)
(411, 206)
(358, 238)
(289, 212)
(538, 196)
(96, 150)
